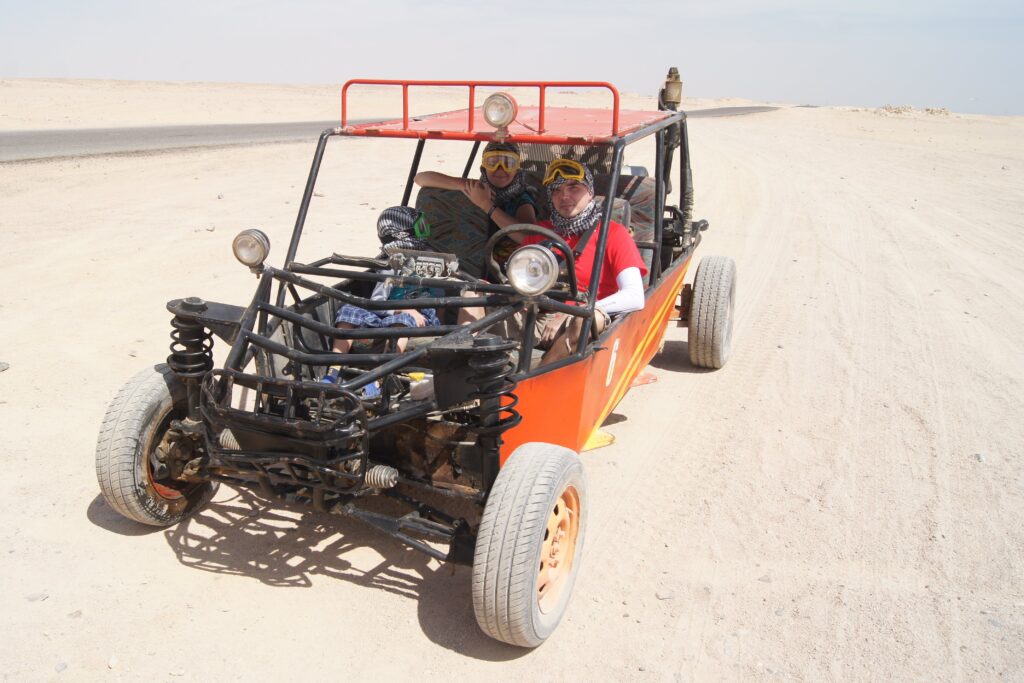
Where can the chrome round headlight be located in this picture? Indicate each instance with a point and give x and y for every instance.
(532, 270)
(500, 109)
(251, 247)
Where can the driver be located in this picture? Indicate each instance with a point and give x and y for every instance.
(574, 213)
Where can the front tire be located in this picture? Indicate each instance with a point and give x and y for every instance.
(133, 427)
(709, 336)
(529, 544)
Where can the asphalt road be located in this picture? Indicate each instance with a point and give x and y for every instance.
(49, 144)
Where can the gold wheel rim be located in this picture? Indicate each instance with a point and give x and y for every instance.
(558, 550)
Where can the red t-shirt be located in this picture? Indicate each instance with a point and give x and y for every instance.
(620, 253)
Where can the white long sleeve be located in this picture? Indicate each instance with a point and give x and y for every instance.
(630, 296)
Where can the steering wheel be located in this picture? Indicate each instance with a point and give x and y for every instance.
(529, 229)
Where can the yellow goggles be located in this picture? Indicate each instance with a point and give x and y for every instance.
(564, 168)
(501, 158)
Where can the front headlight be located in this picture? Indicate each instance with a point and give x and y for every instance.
(251, 248)
(532, 270)
(500, 109)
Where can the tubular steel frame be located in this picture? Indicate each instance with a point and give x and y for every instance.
(619, 144)
(319, 479)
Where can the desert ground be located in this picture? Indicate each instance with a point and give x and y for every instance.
(843, 501)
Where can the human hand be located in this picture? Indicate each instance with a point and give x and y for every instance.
(553, 327)
(478, 193)
(416, 316)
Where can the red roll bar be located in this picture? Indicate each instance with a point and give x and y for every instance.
(542, 86)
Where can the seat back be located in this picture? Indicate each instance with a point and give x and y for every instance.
(457, 227)
(638, 192)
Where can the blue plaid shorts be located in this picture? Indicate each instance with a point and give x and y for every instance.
(360, 317)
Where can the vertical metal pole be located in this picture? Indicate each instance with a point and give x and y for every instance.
(602, 243)
(412, 171)
(472, 157)
(307, 195)
(660, 163)
(685, 175)
(245, 325)
(615, 112)
(526, 351)
(405, 106)
(540, 114)
(344, 105)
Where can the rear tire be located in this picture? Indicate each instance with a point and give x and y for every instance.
(709, 336)
(133, 427)
(529, 544)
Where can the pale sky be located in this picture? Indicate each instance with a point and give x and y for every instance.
(965, 56)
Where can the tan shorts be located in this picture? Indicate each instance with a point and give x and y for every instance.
(512, 328)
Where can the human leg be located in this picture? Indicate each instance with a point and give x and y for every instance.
(565, 343)
(470, 314)
(342, 345)
(418, 318)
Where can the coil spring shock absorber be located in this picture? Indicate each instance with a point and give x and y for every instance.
(491, 368)
(191, 349)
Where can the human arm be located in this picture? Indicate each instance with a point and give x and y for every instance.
(483, 198)
(630, 295)
(524, 214)
(441, 180)
(623, 265)
(552, 329)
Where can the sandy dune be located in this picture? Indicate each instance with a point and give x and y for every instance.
(844, 500)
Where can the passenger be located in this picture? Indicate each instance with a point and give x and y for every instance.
(397, 228)
(570, 188)
(501, 192)
(352, 317)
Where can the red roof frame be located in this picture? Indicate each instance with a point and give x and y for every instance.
(541, 124)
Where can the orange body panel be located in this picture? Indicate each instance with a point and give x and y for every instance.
(567, 405)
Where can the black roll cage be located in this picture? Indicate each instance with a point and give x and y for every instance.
(502, 297)
(298, 448)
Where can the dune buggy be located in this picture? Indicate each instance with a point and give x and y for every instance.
(463, 418)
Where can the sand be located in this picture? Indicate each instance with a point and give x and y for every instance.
(843, 501)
